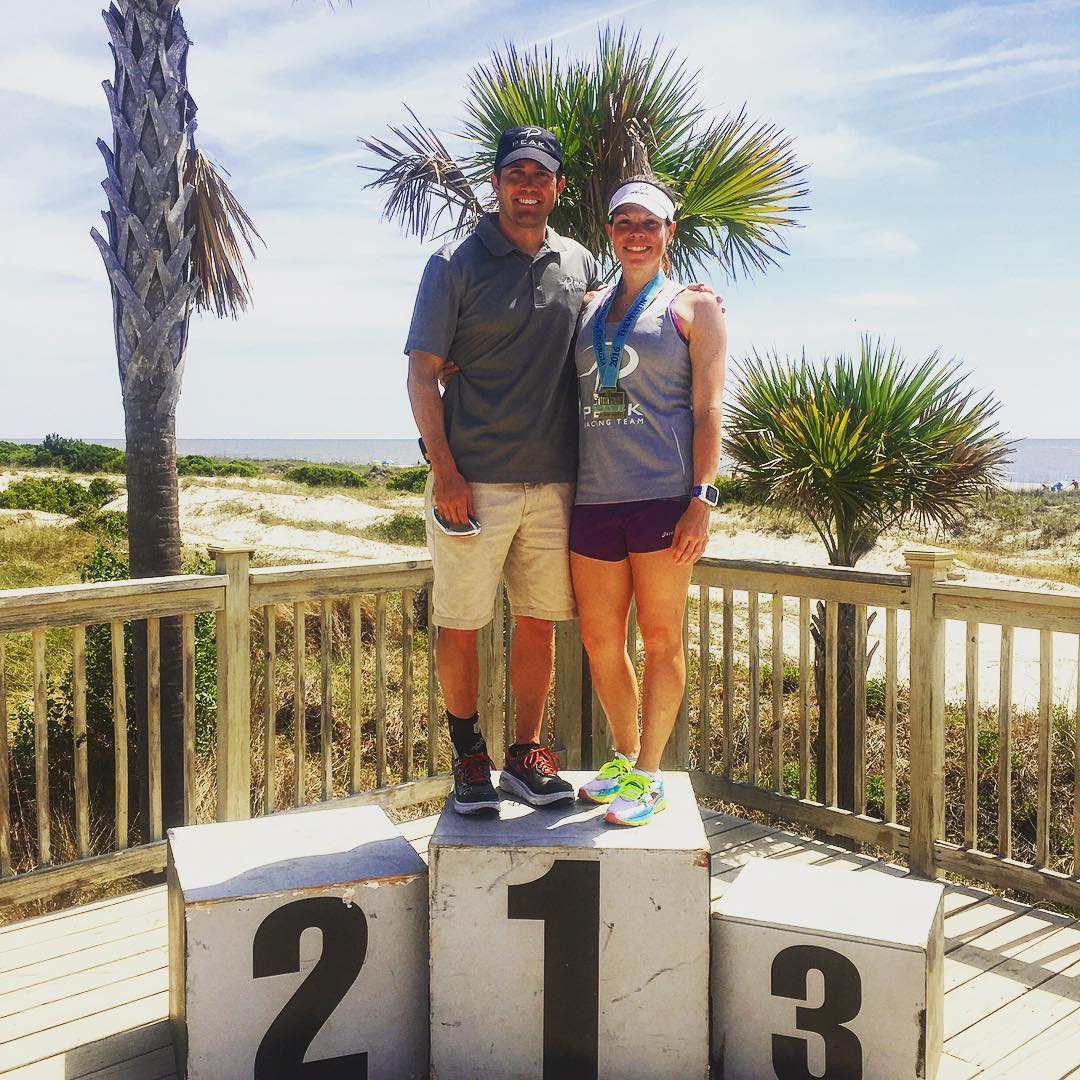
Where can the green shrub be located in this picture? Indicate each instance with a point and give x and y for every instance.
(405, 527)
(412, 479)
(16, 453)
(110, 525)
(198, 465)
(57, 494)
(74, 455)
(732, 490)
(790, 678)
(325, 476)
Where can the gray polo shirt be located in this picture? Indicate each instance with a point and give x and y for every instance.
(507, 319)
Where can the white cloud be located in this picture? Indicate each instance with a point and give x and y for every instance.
(842, 152)
(855, 240)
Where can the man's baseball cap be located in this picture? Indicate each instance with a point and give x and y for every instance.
(533, 143)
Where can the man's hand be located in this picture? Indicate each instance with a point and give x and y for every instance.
(453, 496)
(691, 534)
(699, 286)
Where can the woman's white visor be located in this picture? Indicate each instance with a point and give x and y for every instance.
(651, 198)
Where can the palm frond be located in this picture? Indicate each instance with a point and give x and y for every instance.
(216, 218)
(859, 446)
(631, 108)
(426, 183)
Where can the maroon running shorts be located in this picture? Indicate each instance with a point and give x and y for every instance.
(610, 531)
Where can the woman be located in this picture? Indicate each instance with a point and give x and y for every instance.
(650, 365)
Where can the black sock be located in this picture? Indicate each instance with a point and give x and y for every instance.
(521, 748)
(465, 734)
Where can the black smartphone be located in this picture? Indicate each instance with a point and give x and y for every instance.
(452, 528)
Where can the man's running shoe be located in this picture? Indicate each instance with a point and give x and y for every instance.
(532, 775)
(473, 791)
(638, 800)
(605, 785)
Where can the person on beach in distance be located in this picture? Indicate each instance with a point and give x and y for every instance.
(650, 362)
(504, 303)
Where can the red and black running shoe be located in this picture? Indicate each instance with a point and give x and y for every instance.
(473, 790)
(532, 775)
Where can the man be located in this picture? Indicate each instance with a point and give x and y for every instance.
(502, 443)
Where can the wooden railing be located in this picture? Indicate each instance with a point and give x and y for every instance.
(367, 673)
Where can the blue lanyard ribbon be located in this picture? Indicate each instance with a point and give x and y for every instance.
(608, 366)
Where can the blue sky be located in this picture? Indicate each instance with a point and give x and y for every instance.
(942, 143)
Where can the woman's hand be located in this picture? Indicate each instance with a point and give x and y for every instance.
(700, 286)
(691, 534)
(447, 371)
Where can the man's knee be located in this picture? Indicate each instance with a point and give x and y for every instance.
(535, 630)
(458, 641)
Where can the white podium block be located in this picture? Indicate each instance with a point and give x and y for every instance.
(824, 973)
(298, 949)
(562, 947)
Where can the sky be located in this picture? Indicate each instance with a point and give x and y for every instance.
(941, 140)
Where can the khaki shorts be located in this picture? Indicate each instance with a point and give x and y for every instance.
(524, 536)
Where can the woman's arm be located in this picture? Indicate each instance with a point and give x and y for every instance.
(702, 320)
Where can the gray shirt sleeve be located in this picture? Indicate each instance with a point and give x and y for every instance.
(435, 313)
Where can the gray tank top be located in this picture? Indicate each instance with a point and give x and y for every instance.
(648, 455)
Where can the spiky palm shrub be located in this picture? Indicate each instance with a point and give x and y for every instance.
(170, 246)
(860, 446)
(629, 109)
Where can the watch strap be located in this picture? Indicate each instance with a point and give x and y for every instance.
(707, 493)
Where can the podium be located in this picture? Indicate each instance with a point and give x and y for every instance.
(563, 947)
(298, 948)
(824, 973)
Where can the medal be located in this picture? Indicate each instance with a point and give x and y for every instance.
(609, 404)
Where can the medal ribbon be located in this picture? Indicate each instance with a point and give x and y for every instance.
(608, 366)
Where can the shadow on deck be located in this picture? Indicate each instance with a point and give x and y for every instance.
(83, 992)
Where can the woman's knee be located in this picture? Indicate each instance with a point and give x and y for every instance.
(662, 642)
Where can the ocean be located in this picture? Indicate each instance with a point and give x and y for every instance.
(1035, 461)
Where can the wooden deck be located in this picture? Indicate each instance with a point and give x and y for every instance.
(83, 993)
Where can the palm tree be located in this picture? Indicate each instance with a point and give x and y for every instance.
(172, 245)
(859, 447)
(628, 110)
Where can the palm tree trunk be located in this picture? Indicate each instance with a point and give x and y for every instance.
(147, 257)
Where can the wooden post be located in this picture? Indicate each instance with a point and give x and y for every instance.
(234, 685)
(569, 661)
(926, 711)
(490, 645)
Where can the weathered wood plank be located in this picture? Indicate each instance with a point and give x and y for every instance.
(777, 692)
(831, 693)
(100, 602)
(891, 648)
(971, 720)
(1046, 695)
(5, 767)
(41, 747)
(836, 583)
(1004, 747)
(187, 670)
(754, 678)
(153, 723)
(51, 880)
(335, 580)
(120, 737)
(804, 697)
(269, 619)
(408, 598)
(326, 710)
(860, 708)
(380, 689)
(433, 689)
(729, 681)
(569, 664)
(299, 705)
(356, 695)
(78, 730)
(704, 677)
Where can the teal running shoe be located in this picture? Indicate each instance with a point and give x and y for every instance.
(605, 785)
(638, 800)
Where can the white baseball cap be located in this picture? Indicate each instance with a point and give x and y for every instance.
(643, 194)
